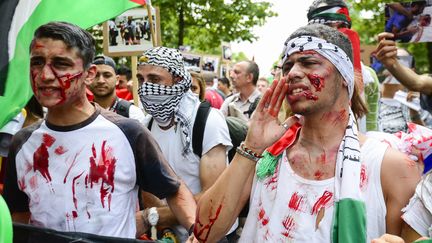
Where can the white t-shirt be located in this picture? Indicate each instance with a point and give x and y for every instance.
(85, 177)
(285, 207)
(188, 168)
(136, 113)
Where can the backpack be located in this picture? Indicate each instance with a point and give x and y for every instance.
(237, 130)
(122, 107)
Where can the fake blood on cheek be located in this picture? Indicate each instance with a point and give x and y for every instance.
(317, 81)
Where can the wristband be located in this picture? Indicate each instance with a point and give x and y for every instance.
(248, 153)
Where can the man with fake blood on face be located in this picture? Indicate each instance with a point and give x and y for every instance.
(314, 181)
(80, 169)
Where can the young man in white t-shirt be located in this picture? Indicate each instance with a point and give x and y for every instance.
(165, 94)
(319, 180)
(81, 167)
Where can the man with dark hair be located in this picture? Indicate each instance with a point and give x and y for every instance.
(314, 181)
(244, 77)
(80, 168)
(124, 83)
(103, 89)
(124, 75)
(224, 86)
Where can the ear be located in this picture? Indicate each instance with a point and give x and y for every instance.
(91, 74)
(117, 77)
(250, 77)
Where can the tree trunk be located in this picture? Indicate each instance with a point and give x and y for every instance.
(181, 24)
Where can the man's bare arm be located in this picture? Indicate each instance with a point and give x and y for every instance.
(399, 177)
(387, 54)
(183, 205)
(221, 204)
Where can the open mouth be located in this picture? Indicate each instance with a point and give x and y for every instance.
(48, 90)
(296, 92)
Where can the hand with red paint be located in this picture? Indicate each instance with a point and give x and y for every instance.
(264, 126)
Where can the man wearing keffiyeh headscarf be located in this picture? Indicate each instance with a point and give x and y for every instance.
(164, 90)
(318, 180)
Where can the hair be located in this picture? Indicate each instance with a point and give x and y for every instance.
(123, 70)
(225, 81)
(418, 3)
(72, 35)
(254, 69)
(337, 38)
(264, 79)
(201, 84)
(208, 76)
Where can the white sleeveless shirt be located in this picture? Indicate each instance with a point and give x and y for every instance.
(285, 207)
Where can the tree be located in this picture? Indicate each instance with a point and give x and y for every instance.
(238, 57)
(369, 28)
(204, 24)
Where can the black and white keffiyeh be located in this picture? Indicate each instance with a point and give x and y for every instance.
(165, 102)
(328, 50)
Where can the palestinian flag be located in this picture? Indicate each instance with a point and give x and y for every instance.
(19, 20)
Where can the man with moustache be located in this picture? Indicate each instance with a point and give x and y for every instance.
(103, 88)
(80, 168)
(314, 181)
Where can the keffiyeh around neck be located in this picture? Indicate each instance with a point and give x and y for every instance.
(331, 52)
(163, 102)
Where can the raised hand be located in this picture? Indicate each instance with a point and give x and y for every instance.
(264, 127)
(386, 51)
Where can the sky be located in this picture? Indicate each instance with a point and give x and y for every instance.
(272, 35)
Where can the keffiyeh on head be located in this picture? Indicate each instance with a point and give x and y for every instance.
(328, 50)
(169, 59)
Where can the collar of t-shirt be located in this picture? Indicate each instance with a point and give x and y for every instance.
(251, 98)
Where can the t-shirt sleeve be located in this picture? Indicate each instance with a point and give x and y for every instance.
(16, 199)
(417, 216)
(216, 132)
(154, 174)
(136, 113)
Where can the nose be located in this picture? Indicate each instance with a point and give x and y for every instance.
(295, 74)
(47, 74)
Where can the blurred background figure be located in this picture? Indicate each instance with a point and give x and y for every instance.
(198, 85)
(224, 85)
(262, 84)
